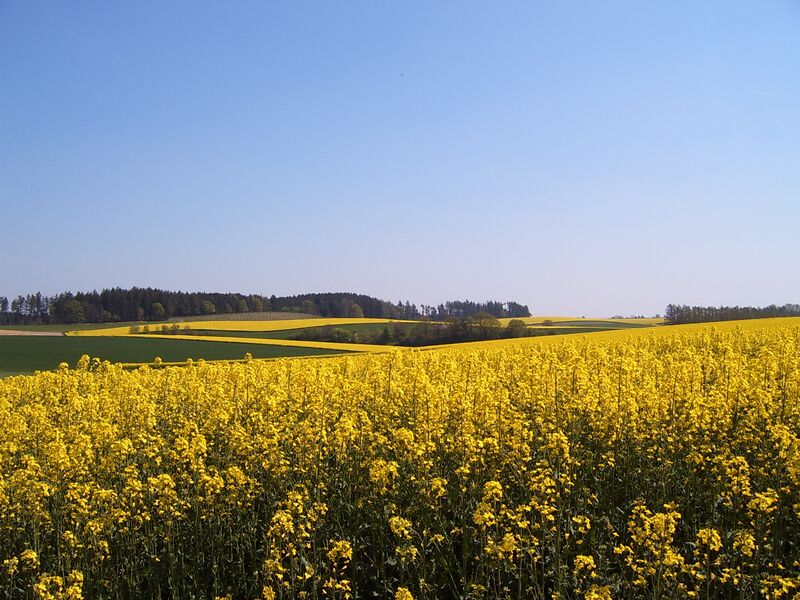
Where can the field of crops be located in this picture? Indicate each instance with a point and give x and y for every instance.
(228, 339)
(232, 325)
(641, 463)
(263, 336)
(26, 354)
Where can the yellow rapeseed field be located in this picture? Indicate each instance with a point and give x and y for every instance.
(658, 464)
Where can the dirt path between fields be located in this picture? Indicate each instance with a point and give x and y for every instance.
(20, 332)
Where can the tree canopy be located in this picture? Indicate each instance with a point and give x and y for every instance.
(152, 304)
(676, 314)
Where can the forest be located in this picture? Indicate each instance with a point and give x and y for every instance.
(679, 314)
(151, 304)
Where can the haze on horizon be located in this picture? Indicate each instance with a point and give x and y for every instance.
(582, 159)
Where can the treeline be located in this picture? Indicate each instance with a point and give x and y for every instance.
(676, 314)
(462, 309)
(478, 327)
(150, 304)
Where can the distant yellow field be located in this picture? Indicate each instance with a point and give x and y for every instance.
(235, 326)
(538, 320)
(275, 342)
(638, 332)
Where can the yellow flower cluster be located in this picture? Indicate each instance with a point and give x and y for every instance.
(649, 466)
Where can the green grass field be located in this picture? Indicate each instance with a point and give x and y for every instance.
(285, 334)
(377, 328)
(246, 316)
(23, 354)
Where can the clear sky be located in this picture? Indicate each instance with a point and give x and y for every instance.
(581, 157)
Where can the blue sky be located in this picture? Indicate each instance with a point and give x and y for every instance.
(583, 158)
